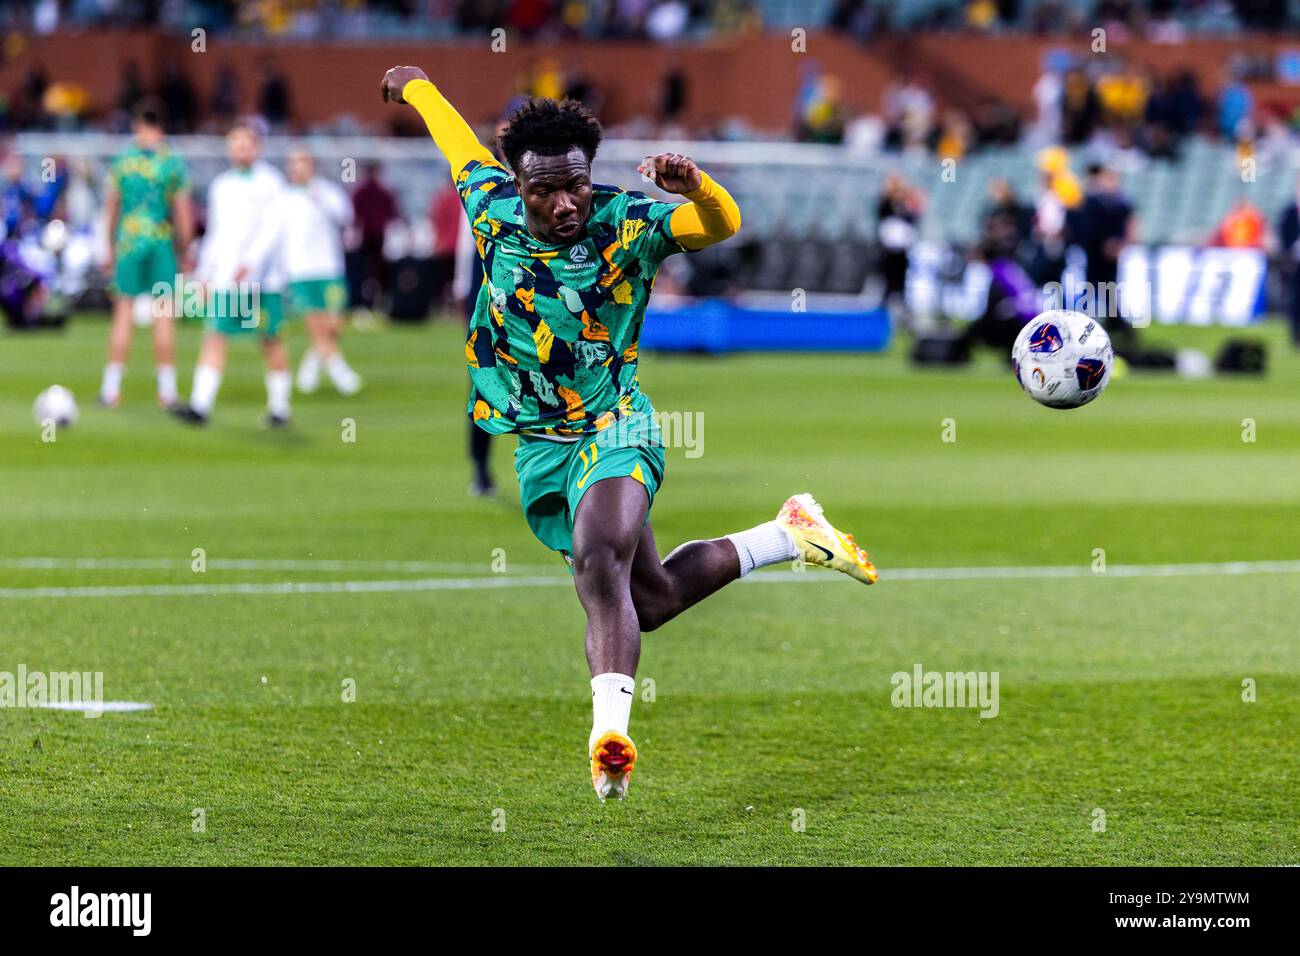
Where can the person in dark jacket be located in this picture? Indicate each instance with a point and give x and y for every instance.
(375, 207)
(1288, 234)
(1103, 226)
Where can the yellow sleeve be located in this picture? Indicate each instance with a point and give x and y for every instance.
(710, 216)
(452, 134)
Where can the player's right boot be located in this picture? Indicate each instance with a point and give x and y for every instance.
(820, 542)
(612, 760)
(346, 381)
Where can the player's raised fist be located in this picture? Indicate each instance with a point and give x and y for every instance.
(675, 173)
(395, 81)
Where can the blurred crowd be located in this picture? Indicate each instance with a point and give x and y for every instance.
(1124, 112)
(1031, 239)
(1165, 20)
(910, 118)
(663, 20)
(1115, 112)
(53, 234)
(1130, 113)
(1120, 112)
(40, 103)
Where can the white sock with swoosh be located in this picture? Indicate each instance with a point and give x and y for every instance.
(611, 705)
(766, 544)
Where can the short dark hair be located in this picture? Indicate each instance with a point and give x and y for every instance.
(549, 128)
(249, 125)
(149, 111)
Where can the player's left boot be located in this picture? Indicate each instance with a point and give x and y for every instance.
(612, 760)
(479, 490)
(820, 542)
(187, 414)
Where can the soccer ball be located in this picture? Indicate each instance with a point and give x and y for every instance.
(1063, 359)
(55, 404)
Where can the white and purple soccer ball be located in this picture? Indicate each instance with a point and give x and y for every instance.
(1063, 359)
(56, 405)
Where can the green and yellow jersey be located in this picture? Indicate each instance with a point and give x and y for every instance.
(552, 345)
(553, 340)
(146, 182)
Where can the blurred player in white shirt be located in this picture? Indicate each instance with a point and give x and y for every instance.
(313, 213)
(239, 264)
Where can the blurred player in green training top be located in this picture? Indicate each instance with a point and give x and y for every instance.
(149, 221)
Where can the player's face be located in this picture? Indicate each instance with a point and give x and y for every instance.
(241, 147)
(300, 168)
(147, 135)
(556, 191)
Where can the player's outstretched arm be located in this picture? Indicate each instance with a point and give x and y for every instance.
(710, 216)
(409, 84)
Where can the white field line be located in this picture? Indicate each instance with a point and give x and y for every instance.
(287, 587)
(1075, 571)
(561, 580)
(95, 707)
(257, 564)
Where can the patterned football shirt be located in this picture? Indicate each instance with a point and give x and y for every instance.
(552, 345)
(146, 181)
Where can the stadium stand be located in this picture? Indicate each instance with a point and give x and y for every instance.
(659, 19)
(803, 193)
(1170, 119)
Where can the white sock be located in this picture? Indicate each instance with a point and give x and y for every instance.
(203, 393)
(112, 383)
(279, 385)
(766, 544)
(166, 383)
(338, 368)
(611, 704)
(310, 361)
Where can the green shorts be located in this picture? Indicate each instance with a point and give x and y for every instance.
(143, 265)
(317, 295)
(553, 476)
(232, 312)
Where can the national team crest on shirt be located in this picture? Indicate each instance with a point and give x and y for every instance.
(579, 254)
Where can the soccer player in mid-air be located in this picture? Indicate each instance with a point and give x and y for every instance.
(552, 354)
(149, 221)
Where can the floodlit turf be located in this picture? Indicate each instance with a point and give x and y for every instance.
(772, 701)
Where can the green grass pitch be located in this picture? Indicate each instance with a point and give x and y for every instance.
(772, 700)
